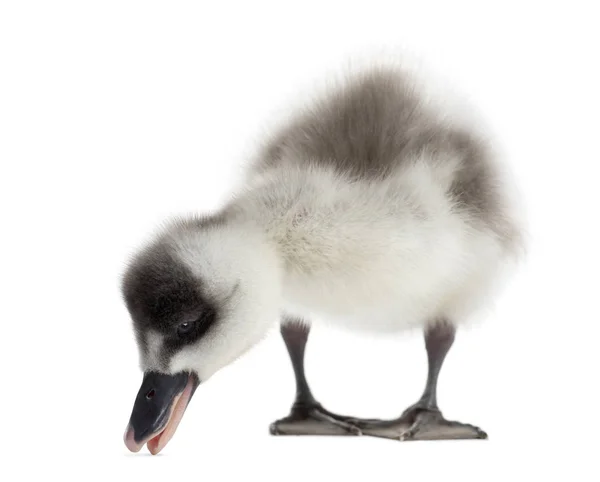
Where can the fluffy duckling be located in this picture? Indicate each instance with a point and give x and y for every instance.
(373, 208)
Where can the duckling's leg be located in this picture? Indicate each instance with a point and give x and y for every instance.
(307, 416)
(423, 420)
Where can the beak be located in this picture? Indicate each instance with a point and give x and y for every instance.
(158, 409)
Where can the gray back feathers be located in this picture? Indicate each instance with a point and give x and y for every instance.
(379, 123)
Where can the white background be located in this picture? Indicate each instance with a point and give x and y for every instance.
(117, 114)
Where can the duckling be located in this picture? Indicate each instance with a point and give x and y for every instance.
(373, 208)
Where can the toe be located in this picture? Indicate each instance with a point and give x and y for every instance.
(273, 430)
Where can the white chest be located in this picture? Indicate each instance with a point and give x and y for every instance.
(379, 279)
(379, 257)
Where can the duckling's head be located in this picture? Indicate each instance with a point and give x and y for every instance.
(200, 294)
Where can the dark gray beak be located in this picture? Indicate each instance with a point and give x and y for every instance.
(159, 406)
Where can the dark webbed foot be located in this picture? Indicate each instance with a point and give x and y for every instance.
(419, 424)
(423, 420)
(313, 420)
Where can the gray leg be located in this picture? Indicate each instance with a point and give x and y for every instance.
(307, 416)
(438, 340)
(423, 420)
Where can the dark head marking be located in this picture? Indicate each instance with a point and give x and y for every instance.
(164, 296)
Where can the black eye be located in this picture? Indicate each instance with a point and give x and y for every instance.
(185, 328)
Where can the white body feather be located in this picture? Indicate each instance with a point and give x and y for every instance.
(374, 255)
(379, 256)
